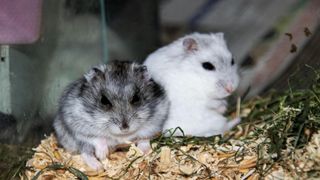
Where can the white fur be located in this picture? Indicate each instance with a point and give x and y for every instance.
(197, 99)
(89, 75)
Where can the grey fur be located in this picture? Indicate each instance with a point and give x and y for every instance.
(82, 117)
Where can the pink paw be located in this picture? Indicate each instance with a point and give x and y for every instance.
(101, 148)
(236, 120)
(222, 109)
(92, 162)
(102, 153)
(231, 124)
(144, 146)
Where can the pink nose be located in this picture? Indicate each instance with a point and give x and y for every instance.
(228, 88)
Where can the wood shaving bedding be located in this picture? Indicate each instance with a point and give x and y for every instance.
(231, 160)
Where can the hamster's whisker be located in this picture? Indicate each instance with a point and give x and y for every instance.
(133, 114)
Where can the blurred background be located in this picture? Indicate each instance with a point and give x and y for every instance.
(47, 44)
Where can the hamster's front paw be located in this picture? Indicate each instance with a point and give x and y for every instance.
(101, 148)
(102, 153)
(231, 124)
(222, 109)
(144, 145)
(219, 106)
(91, 161)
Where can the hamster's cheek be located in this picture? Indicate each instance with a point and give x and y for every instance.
(143, 112)
(134, 126)
(220, 93)
(224, 94)
(114, 129)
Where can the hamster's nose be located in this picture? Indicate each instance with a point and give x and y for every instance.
(124, 125)
(228, 88)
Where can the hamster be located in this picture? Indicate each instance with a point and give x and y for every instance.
(198, 72)
(110, 105)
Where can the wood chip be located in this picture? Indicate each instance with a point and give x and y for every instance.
(187, 170)
(196, 161)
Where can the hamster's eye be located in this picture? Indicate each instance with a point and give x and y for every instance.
(232, 61)
(208, 66)
(135, 99)
(105, 101)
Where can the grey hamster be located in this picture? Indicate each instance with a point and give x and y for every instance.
(110, 105)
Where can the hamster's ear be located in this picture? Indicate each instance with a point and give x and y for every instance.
(95, 72)
(190, 45)
(142, 73)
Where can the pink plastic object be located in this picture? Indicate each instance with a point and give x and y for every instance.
(19, 21)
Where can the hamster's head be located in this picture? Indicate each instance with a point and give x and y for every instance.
(207, 57)
(121, 97)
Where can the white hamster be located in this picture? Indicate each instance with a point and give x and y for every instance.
(110, 105)
(198, 72)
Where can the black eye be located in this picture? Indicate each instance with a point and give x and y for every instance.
(135, 99)
(208, 66)
(105, 101)
(232, 61)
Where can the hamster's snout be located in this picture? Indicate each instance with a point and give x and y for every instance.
(228, 88)
(124, 126)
